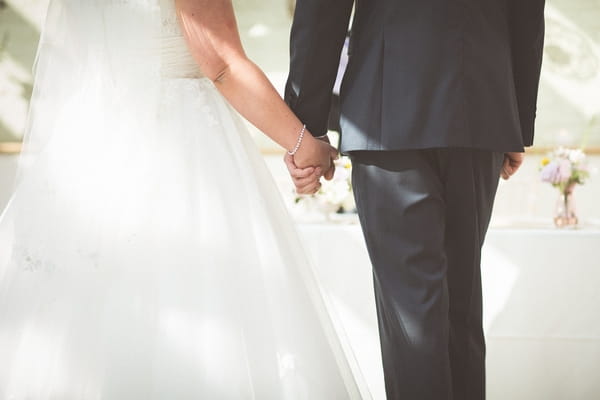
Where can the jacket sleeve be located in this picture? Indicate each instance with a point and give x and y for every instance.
(526, 21)
(318, 33)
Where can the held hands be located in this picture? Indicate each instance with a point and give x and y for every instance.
(313, 159)
(512, 162)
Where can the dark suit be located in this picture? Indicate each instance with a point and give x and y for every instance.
(434, 94)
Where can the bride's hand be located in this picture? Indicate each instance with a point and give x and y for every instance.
(315, 153)
(306, 178)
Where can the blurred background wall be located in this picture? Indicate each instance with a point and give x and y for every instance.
(569, 103)
(20, 24)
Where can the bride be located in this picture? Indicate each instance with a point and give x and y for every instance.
(145, 253)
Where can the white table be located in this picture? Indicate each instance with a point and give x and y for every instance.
(541, 306)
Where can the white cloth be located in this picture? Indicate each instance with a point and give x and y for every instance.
(147, 252)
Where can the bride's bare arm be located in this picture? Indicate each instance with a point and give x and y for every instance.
(211, 31)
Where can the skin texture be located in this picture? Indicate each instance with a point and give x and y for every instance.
(304, 182)
(211, 31)
(512, 162)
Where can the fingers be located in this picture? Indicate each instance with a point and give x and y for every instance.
(303, 182)
(503, 172)
(306, 180)
(516, 164)
(335, 155)
(512, 162)
(306, 173)
(289, 162)
(510, 165)
(295, 172)
(506, 169)
(311, 188)
(309, 185)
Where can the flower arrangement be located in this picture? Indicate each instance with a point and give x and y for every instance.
(564, 169)
(335, 196)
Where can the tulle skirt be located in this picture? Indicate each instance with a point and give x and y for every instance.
(150, 257)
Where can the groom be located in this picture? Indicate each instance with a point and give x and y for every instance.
(438, 100)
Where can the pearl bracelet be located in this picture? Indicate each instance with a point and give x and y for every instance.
(299, 142)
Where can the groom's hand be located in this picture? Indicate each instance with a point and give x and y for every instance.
(307, 179)
(328, 175)
(512, 162)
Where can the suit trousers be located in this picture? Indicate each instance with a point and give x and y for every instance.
(425, 214)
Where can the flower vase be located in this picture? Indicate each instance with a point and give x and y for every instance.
(566, 213)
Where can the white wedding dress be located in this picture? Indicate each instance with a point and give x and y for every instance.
(145, 253)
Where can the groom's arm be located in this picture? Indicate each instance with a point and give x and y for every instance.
(526, 19)
(318, 33)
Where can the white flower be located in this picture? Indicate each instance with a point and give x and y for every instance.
(335, 191)
(577, 156)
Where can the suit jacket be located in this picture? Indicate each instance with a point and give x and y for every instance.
(421, 73)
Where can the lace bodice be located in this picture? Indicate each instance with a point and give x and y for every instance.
(176, 59)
